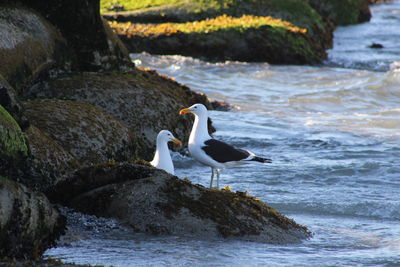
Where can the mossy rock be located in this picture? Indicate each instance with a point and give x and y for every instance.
(29, 46)
(343, 12)
(49, 163)
(12, 139)
(29, 224)
(298, 12)
(87, 133)
(9, 100)
(275, 42)
(32, 157)
(154, 202)
(143, 100)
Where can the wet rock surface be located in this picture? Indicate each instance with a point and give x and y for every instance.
(29, 46)
(29, 223)
(142, 100)
(343, 12)
(152, 201)
(87, 133)
(271, 45)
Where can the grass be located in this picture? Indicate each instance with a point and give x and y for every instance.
(135, 4)
(223, 22)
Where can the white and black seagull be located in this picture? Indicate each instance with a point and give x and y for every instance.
(162, 157)
(216, 154)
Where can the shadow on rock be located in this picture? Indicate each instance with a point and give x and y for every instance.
(152, 201)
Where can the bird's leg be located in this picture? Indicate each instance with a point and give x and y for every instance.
(212, 177)
(218, 178)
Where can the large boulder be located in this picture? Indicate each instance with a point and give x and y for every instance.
(29, 223)
(311, 42)
(152, 201)
(48, 162)
(13, 148)
(93, 46)
(341, 12)
(9, 100)
(87, 133)
(29, 46)
(268, 40)
(143, 100)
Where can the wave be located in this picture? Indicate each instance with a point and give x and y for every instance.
(388, 210)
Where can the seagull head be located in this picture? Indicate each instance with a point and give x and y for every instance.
(196, 109)
(166, 136)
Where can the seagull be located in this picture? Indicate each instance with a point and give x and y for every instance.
(211, 152)
(162, 158)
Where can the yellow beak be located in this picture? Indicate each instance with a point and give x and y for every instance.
(184, 111)
(177, 141)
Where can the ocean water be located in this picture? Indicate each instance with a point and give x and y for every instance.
(333, 133)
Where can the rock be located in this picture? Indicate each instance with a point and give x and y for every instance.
(12, 140)
(270, 44)
(29, 46)
(9, 100)
(93, 46)
(152, 201)
(221, 105)
(343, 12)
(298, 48)
(13, 148)
(375, 45)
(29, 224)
(87, 133)
(143, 100)
(48, 163)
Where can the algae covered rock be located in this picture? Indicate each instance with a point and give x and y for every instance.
(29, 224)
(307, 45)
(87, 133)
(9, 100)
(13, 148)
(12, 139)
(341, 12)
(93, 46)
(49, 163)
(29, 45)
(267, 40)
(143, 100)
(152, 201)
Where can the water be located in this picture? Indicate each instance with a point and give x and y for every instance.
(333, 133)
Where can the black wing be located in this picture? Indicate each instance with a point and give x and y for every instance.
(223, 152)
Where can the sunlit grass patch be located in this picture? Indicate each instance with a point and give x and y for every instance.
(223, 22)
(105, 5)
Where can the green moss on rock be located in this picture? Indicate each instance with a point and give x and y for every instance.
(12, 139)
(29, 46)
(84, 131)
(152, 201)
(343, 12)
(248, 42)
(29, 224)
(142, 100)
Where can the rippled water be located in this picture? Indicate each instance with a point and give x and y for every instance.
(333, 132)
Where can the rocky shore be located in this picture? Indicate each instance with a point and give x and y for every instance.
(76, 118)
(226, 30)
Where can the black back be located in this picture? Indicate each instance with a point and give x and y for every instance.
(223, 152)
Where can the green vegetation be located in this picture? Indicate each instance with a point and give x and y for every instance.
(131, 5)
(12, 139)
(205, 26)
(298, 12)
(343, 12)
